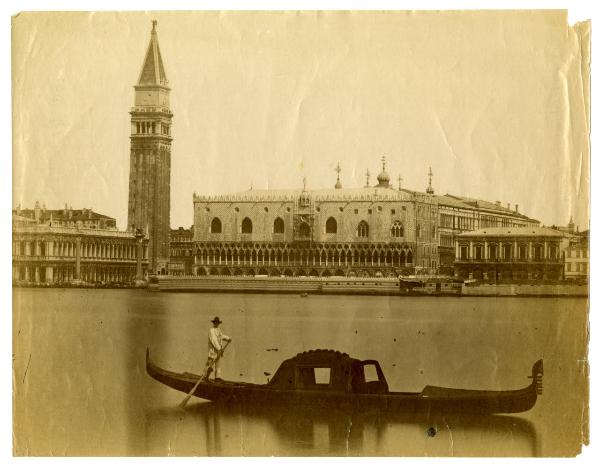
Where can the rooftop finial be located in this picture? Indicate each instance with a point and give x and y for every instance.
(430, 188)
(154, 23)
(383, 179)
(304, 182)
(338, 169)
(368, 176)
(399, 182)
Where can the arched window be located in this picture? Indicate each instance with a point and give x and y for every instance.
(215, 226)
(246, 226)
(278, 226)
(363, 229)
(331, 226)
(418, 230)
(397, 229)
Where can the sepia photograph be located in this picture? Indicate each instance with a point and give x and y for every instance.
(300, 233)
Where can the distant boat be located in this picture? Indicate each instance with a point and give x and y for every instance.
(330, 379)
(304, 294)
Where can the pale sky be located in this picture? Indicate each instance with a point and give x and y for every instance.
(494, 102)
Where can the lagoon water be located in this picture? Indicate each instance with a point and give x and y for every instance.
(80, 386)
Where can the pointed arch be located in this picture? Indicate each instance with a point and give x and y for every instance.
(278, 226)
(362, 231)
(246, 226)
(331, 226)
(216, 226)
(397, 230)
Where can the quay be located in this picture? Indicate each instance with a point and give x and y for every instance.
(427, 286)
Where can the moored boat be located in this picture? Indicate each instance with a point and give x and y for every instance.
(331, 379)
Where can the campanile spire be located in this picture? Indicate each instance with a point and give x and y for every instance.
(150, 157)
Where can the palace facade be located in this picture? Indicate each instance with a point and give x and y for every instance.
(369, 232)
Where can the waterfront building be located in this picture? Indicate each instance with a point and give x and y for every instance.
(67, 217)
(510, 254)
(372, 231)
(577, 257)
(369, 231)
(460, 214)
(150, 157)
(51, 254)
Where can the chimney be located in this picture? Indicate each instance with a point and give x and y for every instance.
(37, 211)
(516, 208)
(65, 211)
(19, 209)
(508, 206)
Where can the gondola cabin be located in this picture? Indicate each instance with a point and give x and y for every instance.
(332, 371)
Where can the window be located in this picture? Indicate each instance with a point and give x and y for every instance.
(493, 251)
(215, 226)
(308, 377)
(393, 212)
(370, 211)
(370, 373)
(478, 252)
(464, 252)
(397, 230)
(246, 226)
(522, 252)
(278, 226)
(356, 211)
(322, 375)
(341, 209)
(363, 229)
(418, 230)
(266, 209)
(379, 209)
(331, 226)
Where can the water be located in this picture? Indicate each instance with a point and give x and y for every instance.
(81, 388)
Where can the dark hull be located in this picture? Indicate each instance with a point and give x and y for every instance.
(430, 399)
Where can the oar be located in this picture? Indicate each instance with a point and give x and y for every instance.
(204, 376)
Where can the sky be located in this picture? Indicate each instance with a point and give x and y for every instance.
(493, 102)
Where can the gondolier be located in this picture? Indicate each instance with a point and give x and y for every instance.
(215, 348)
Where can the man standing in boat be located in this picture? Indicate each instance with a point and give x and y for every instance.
(215, 348)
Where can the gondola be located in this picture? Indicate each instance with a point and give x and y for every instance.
(331, 379)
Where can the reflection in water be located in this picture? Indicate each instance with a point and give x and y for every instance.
(81, 387)
(215, 430)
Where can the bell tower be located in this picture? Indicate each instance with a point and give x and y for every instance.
(150, 158)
